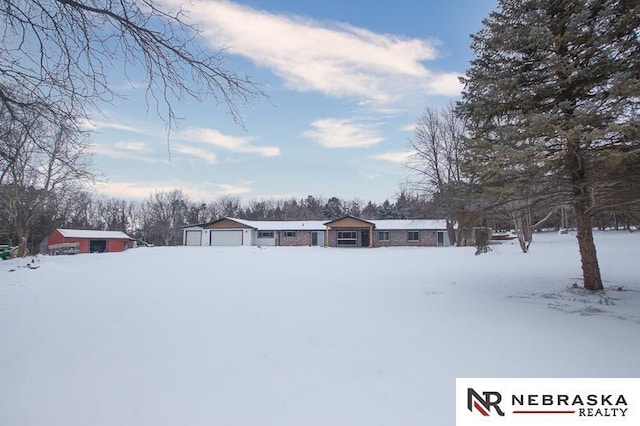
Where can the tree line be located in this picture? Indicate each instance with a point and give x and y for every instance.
(158, 218)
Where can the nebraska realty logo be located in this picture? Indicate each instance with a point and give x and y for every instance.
(555, 401)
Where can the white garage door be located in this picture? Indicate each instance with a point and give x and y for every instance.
(226, 238)
(194, 238)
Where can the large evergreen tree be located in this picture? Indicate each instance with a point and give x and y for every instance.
(553, 103)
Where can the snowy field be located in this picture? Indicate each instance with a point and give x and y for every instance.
(303, 336)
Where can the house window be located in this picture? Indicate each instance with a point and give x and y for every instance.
(347, 238)
(265, 234)
(383, 236)
(289, 234)
(413, 236)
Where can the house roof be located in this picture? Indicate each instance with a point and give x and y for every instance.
(283, 225)
(320, 225)
(397, 224)
(85, 233)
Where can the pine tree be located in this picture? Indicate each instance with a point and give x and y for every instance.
(552, 100)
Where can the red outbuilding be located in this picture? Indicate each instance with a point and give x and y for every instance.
(71, 241)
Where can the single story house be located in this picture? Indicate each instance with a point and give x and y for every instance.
(240, 232)
(71, 241)
(348, 231)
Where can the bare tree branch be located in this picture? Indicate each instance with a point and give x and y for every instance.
(61, 53)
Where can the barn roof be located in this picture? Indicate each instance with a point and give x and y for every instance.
(86, 233)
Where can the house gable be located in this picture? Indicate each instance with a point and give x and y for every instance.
(349, 222)
(226, 223)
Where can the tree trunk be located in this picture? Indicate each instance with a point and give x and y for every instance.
(452, 233)
(522, 224)
(21, 239)
(588, 257)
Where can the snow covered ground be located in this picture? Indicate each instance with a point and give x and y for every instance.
(303, 336)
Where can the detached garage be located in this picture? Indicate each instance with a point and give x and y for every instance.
(71, 241)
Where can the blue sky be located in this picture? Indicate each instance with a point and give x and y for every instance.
(346, 82)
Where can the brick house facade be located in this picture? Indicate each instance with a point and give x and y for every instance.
(347, 231)
(300, 238)
(397, 238)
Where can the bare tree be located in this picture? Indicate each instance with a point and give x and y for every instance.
(228, 206)
(162, 214)
(436, 160)
(115, 214)
(37, 158)
(57, 56)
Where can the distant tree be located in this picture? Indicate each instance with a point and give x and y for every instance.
(352, 208)
(414, 205)
(482, 237)
(387, 210)
(197, 213)
(333, 209)
(403, 205)
(78, 210)
(255, 211)
(115, 214)
(37, 158)
(313, 206)
(162, 214)
(436, 163)
(228, 206)
(278, 212)
(369, 211)
(559, 83)
(292, 210)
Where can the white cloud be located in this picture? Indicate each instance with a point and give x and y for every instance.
(131, 190)
(96, 125)
(333, 58)
(132, 146)
(409, 128)
(189, 137)
(231, 143)
(447, 84)
(228, 189)
(128, 150)
(342, 133)
(192, 151)
(142, 190)
(397, 157)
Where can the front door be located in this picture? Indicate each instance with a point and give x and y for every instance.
(364, 239)
(314, 238)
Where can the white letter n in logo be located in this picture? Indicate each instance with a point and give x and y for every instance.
(483, 405)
